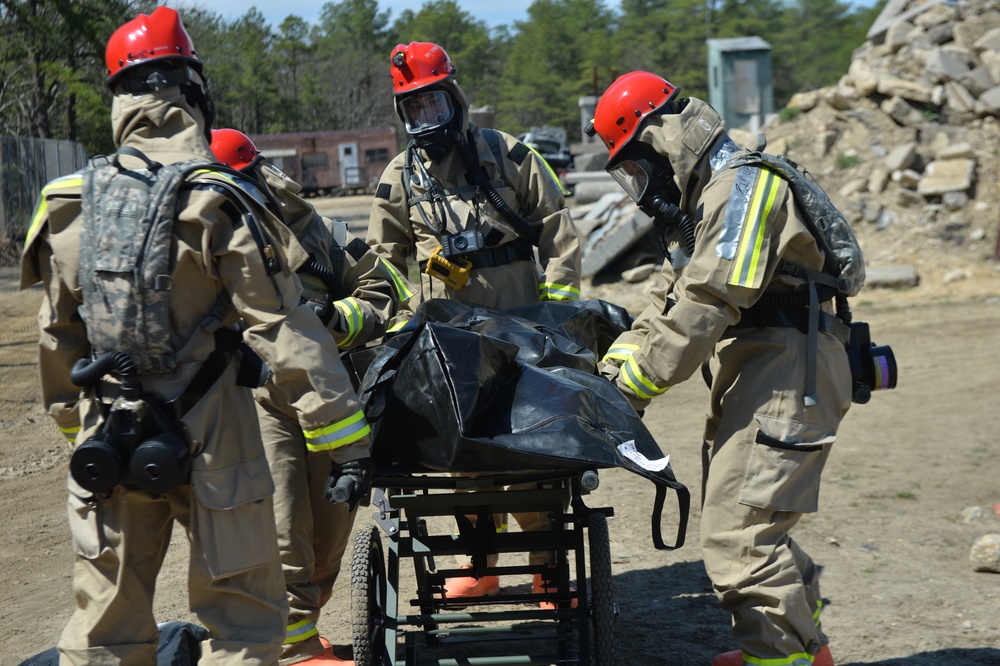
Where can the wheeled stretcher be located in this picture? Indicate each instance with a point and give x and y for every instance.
(478, 412)
(509, 627)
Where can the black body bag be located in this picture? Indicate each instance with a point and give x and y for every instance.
(488, 391)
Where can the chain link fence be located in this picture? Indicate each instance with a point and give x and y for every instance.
(26, 165)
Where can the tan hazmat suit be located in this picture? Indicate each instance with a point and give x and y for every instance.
(764, 448)
(313, 532)
(408, 227)
(235, 584)
(397, 228)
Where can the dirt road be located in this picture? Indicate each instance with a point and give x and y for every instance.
(895, 552)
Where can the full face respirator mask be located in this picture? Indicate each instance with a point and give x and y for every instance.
(430, 118)
(648, 179)
(138, 445)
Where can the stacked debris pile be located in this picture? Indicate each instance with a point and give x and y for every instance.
(906, 144)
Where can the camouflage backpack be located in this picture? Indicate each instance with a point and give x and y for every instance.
(833, 234)
(126, 253)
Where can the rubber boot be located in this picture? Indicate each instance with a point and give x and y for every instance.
(538, 587)
(463, 588)
(735, 658)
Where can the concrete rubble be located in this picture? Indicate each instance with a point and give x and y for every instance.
(906, 144)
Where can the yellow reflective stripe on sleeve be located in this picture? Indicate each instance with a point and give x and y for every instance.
(70, 433)
(64, 183)
(402, 291)
(635, 380)
(790, 660)
(300, 631)
(552, 173)
(338, 434)
(819, 607)
(559, 292)
(621, 352)
(747, 260)
(397, 326)
(350, 307)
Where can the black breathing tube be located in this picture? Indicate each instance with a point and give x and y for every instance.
(477, 174)
(663, 209)
(87, 372)
(330, 279)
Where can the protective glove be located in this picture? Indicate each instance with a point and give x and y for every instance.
(610, 371)
(349, 482)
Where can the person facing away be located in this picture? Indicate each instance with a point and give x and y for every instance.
(479, 214)
(355, 294)
(735, 296)
(148, 259)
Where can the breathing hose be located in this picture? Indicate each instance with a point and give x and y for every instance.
(87, 372)
(478, 175)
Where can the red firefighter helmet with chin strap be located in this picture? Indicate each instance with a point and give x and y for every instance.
(148, 38)
(625, 104)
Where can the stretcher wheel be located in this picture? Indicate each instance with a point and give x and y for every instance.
(602, 603)
(368, 599)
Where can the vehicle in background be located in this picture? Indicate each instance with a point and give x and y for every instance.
(331, 163)
(550, 142)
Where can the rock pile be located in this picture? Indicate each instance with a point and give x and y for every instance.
(907, 143)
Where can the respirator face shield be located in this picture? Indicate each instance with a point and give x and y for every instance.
(645, 175)
(632, 176)
(426, 111)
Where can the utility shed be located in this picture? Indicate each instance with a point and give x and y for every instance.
(739, 80)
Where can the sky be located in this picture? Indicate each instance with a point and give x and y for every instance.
(493, 12)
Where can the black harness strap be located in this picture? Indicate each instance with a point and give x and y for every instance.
(518, 249)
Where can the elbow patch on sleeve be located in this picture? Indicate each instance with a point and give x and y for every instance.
(519, 152)
(357, 248)
(383, 191)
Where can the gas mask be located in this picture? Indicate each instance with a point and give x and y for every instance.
(429, 116)
(648, 178)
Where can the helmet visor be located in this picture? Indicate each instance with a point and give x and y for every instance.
(632, 177)
(426, 111)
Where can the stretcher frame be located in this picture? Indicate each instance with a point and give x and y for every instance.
(442, 632)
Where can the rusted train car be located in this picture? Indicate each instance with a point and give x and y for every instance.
(334, 162)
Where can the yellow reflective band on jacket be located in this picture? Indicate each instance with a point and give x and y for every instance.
(300, 631)
(402, 291)
(338, 434)
(552, 173)
(558, 292)
(64, 183)
(70, 433)
(635, 380)
(819, 607)
(350, 308)
(398, 325)
(747, 260)
(620, 352)
(791, 660)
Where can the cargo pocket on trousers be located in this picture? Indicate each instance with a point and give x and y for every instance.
(93, 524)
(785, 465)
(233, 517)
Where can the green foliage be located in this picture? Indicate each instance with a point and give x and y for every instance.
(847, 161)
(333, 74)
(789, 113)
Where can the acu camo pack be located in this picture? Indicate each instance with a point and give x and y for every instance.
(844, 260)
(126, 254)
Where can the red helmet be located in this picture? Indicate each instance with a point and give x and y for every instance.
(146, 38)
(234, 148)
(625, 104)
(417, 66)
